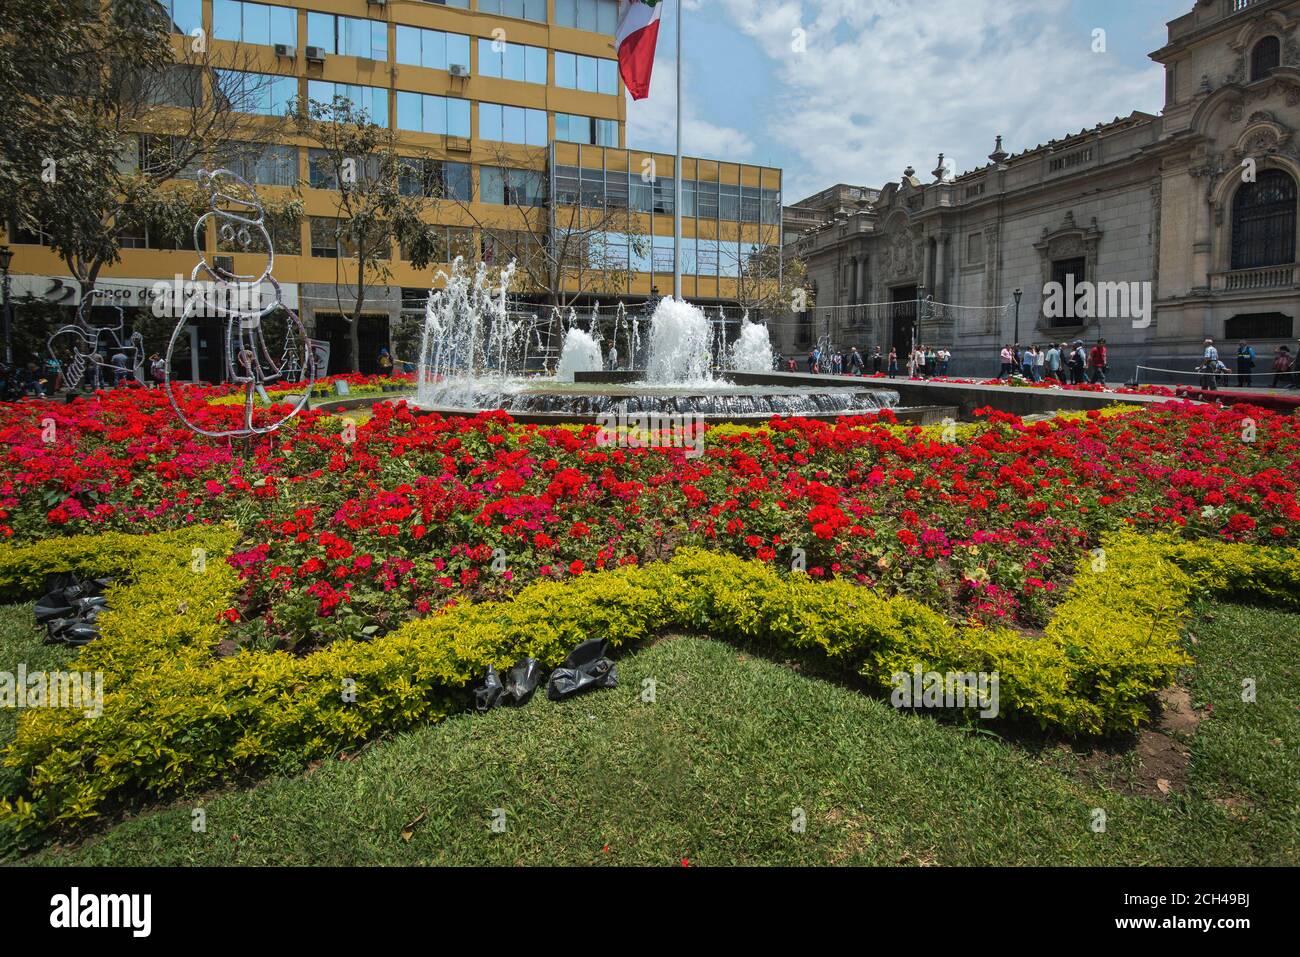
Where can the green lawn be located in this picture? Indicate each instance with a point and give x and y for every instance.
(713, 770)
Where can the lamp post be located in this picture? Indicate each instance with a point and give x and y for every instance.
(1015, 339)
(7, 257)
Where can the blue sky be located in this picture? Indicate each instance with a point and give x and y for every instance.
(871, 86)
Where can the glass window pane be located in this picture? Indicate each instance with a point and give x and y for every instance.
(284, 25)
(284, 91)
(187, 15)
(587, 73)
(378, 105)
(607, 132)
(489, 121)
(410, 111)
(607, 16)
(566, 12)
(566, 71)
(457, 50)
(608, 79)
(513, 128)
(257, 23)
(435, 49)
(408, 45)
(456, 180)
(587, 17)
(489, 59)
(226, 21)
(534, 65)
(536, 121)
(320, 31)
(513, 62)
(458, 118)
(492, 184)
(435, 114)
(535, 10)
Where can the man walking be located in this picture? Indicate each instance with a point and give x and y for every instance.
(1098, 361)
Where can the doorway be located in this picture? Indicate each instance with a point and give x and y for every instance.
(902, 319)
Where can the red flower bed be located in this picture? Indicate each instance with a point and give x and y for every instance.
(345, 538)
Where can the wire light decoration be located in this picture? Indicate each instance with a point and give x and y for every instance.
(93, 346)
(234, 204)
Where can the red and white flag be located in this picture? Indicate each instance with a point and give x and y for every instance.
(638, 31)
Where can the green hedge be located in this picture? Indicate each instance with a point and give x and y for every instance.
(178, 719)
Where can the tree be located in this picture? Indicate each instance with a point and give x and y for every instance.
(382, 197)
(104, 122)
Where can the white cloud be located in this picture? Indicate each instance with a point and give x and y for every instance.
(885, 84)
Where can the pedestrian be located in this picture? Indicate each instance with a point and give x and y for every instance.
(893, 362)
(34, 382)
(612, 357)
(385, 362)
(877, 361)
(1245, 363)
(1210, 370)
(855, 361)
(1098, 362)
(1078, 362)
(1027, 360)
(1007, 358)
(119, 369)
(945, 357)
(1040, 362)
(1052, 361)
(157, 368)
(1282, 364)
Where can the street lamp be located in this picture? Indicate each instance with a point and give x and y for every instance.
(1018, 293)
(7, 257)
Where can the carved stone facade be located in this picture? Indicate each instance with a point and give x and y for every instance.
(1142, 199)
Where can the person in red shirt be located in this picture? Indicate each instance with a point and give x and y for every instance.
(1097, 362)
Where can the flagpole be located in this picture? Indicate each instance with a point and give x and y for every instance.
(677, 171)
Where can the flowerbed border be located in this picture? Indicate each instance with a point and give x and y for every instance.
(177, 719)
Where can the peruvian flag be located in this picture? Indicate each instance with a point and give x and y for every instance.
(638, 30)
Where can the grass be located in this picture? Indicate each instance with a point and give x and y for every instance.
(714, 769)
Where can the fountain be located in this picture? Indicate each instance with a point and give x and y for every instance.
(477, 353)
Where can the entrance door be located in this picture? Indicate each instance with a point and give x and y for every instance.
(372, 335)
(903, 319)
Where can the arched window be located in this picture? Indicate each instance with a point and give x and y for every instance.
(1265, 58)
(1264, 221)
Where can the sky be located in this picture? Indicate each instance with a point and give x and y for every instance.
(854, 91)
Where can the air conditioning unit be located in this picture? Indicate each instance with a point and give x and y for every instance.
(286, 50)
(315, 54)
(458, 69)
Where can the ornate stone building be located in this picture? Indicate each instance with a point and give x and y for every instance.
(1199, 202)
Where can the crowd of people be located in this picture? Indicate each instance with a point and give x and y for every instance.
(923, 362)
(1285, 367)
(1070, 363)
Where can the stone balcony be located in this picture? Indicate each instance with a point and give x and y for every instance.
(1264, 279)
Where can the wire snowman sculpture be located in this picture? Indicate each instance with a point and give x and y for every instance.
(94, 346)
(234, 204)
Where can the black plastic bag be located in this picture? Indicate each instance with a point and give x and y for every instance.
(70, 607)
(521, 681)
(585, 669)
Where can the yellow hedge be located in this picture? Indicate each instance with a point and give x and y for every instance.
(177, 719)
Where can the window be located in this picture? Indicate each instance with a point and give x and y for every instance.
(661, 254)
(284, 228)
(728, 202)
(512, 187)
(433, 48)
(423, 113)
(1065, 272)
(262, 165)
(327, 239)
(751, 205)
(1259, 325)
(170, 156)
(260, 93)
(186, 15)
(586, 129)
(320, 170)
(254, 22)
(708, 200)
(1265, 58)
(522, 9)
(598, 16)
(460, 4)
(589, 73)
(511, 61)
(616, 192)
(182, 85)
(435, 179)
(771, 215)
(372, 100)
(348, 36)
(975, 248)
(512, 124)
(592, 187)
(1264, 221)
(664, 195)
(706, 257)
